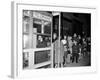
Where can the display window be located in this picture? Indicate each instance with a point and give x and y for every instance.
(36, 39)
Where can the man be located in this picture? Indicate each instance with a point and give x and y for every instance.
(41, 43)
(75, 52)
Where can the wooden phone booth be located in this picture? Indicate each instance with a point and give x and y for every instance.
(37, 39)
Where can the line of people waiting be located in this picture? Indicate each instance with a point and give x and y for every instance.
(71, 49)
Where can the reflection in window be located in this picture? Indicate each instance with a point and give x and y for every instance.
(26, 41)
(25, 59)
(42, 26)
(43, 41)
(47, 28)
(37, 25)
(26, 24)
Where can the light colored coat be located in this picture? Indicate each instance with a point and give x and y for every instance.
(58, 52)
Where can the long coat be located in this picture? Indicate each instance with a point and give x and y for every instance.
(58, 51)
(61, 52)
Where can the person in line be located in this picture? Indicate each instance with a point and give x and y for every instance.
(75, 37)
(80, 51)
(64, 41)
(84, 47)
(58, 51)
(88, 45)
(55, 48)
(79, 40)
(70, 44)
(61, 56)
(75, 52)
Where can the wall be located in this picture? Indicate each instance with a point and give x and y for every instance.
(5, 40)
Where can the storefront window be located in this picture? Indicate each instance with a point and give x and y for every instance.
(42, 56)
(26, 41)
(36, 39)
(42, 30)
(37, 25)
(43, 41)
(25, 59)
(47, 28)
(26, 21)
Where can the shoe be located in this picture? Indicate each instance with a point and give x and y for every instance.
(76, 62)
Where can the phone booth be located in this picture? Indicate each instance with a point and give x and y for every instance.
(37, 39)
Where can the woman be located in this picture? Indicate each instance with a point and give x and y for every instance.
(58, 52)
(61, 59)
(55, 49)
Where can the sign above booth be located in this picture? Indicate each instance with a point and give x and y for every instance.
(41, 16)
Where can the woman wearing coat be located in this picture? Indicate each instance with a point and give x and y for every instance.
(58, 52)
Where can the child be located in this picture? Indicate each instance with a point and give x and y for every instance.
(68, 57)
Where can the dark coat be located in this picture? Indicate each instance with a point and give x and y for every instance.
(75, 49)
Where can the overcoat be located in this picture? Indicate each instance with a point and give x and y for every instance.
(58, 51)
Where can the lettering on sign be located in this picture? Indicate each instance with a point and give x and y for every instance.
(41, 16)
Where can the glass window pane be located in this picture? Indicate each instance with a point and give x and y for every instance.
(26, 41)
(37, 25)
(25, 59)
(42, 56)
(26, 21)
(47, 28)
(43, 41)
